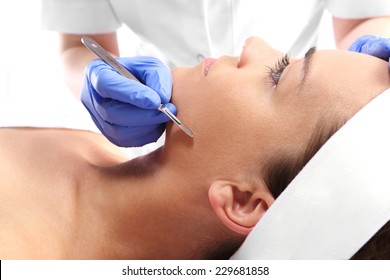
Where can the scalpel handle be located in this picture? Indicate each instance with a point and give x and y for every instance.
(106, 57)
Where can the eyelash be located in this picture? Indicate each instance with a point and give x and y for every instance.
(275, 72)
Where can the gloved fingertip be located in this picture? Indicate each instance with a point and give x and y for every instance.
(166, 89)
(356, 46)
(150, 104)
(171, 108)
(165, 96)
(146, 98)
(360, 42)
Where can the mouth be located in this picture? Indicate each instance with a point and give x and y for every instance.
(207, 64)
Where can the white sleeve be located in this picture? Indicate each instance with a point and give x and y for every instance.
(358, 8)
(78, 16)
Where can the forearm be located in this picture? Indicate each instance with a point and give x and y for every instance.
(75, 56)
(347, 31)
(74, 61)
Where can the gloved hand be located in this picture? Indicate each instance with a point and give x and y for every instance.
(372, 45)
(125, 111)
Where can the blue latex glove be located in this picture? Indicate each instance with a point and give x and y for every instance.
(125, 111)
(372, 45)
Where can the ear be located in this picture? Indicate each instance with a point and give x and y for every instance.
(239, 206)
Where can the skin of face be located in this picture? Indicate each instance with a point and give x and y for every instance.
(241, 118)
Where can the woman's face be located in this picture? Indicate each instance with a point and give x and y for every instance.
(239, 109)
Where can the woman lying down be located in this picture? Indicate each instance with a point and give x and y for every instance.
(68, 194)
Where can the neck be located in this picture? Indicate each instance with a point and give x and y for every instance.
(142, 209)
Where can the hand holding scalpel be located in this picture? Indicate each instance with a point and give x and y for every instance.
(107, 58)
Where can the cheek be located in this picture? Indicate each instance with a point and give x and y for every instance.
(231, 119)
(222, 111)
(220, 105)
(183, 85)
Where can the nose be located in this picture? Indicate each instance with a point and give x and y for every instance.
(257, 50)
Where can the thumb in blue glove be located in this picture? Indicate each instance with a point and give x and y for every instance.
(125, 111)
(372, 45)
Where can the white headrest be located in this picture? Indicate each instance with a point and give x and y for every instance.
(338, 201)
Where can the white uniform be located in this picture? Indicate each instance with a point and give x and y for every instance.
(186, 31)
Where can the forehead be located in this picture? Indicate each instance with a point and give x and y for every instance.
(343, 81)
(339, 72)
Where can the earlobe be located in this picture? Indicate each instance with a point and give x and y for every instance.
(239, 206)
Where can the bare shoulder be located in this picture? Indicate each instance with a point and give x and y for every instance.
(47, 156)
(39, 172)
(19, 145)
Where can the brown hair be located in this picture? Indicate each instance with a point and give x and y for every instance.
(282, 169)
(377, 248)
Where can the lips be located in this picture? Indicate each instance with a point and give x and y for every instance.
(206, 65)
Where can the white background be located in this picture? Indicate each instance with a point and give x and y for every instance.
(278, 270)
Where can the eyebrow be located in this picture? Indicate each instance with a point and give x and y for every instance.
(306, 64)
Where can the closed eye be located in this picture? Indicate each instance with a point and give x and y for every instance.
(276, 71)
